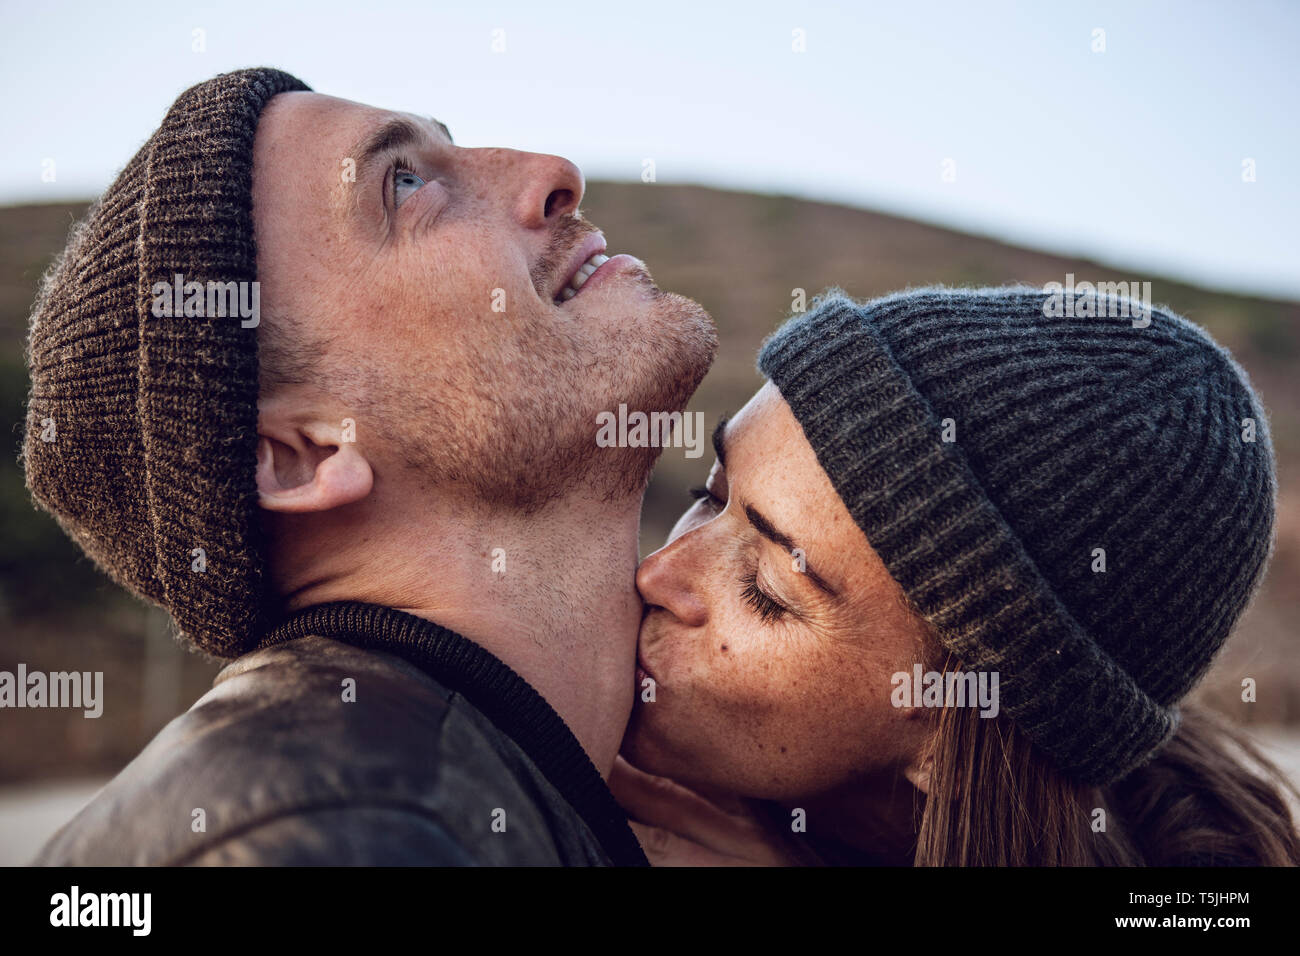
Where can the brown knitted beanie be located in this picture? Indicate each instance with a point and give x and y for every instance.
(142, 428)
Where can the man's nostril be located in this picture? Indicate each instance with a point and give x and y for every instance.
(560, 197)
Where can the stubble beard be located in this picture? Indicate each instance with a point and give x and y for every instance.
(516, 427)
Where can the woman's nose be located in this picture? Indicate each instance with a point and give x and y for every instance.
(669, 579)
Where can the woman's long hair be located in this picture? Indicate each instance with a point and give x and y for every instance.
(1209, 798)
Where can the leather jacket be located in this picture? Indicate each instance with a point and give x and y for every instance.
(280, 763)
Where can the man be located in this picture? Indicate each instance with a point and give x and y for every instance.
(398, 523)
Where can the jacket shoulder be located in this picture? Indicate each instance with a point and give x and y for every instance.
(338, 836)
(315, 751)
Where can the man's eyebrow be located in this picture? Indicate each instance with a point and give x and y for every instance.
(760, 522)
(390, 136)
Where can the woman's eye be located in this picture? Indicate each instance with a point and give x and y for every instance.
(765, 606)
(711, 501)
(405, 182)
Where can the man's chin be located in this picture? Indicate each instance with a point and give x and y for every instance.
(686, 342)
(632, 298)
(641, 350)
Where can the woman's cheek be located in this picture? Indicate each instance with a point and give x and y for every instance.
(751, 678)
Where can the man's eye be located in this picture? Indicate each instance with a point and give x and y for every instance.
(405, 182)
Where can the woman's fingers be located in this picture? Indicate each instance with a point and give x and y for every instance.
(674, 811)
(660, 801)
(664, 848)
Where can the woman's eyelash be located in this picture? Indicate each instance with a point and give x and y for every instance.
(767, 607)
(702, 492)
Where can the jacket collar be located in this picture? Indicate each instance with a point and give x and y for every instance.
(505, 698)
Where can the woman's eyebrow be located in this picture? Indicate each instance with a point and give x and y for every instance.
(778, 537)
(758, 519)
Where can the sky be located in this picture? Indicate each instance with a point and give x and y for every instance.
(1169, 141)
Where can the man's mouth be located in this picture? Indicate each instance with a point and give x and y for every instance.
(585, 272)
(587, 257)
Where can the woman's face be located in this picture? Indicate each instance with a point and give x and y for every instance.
(772, 630)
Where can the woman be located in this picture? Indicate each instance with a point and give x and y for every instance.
(955, 567)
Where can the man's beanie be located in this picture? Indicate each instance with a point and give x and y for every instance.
(142, 430)
(1083, 503)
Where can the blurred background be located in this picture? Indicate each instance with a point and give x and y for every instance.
(743, 153)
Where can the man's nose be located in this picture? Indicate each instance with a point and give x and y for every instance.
(664, 579)
(545, 187)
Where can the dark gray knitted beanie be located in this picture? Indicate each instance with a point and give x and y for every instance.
(142, 430)
(988, 451)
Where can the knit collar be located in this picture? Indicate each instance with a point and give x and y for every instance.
(505, 698)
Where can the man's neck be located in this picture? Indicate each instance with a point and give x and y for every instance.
(551, 594)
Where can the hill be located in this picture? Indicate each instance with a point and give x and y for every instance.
(739, 254)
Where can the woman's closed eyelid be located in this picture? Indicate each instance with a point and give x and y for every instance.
(768, 601)
(702, 493)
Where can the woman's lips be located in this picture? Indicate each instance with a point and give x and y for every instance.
(642, 672)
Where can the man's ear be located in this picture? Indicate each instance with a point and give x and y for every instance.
(304, 465)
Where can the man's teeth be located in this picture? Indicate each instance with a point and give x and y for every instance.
(582, 275)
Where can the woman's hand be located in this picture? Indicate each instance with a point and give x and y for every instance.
(678, 827)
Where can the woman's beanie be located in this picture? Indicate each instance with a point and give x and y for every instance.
(142, 427)
(1082, 503)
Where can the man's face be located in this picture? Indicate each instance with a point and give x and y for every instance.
(425, 281)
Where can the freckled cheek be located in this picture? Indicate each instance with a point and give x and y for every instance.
(806, 688)
(691, 715)
(748, 678)
(715, 705)
(701, 672)
(690, 663)
(786, 719)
